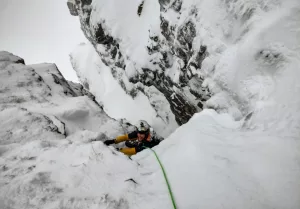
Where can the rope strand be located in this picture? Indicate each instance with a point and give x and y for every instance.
(166, 178)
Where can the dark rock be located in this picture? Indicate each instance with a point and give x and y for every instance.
(9, 57)
(140, 8)
(186, 33)
(164, 4)
(72, 7)
(62, 81)
(177, 5)
(79, 90)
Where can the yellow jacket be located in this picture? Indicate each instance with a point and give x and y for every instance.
(149, 142)
(126, 151)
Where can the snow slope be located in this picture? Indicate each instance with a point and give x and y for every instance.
(214, 166)
(260, 71)
(223, 166)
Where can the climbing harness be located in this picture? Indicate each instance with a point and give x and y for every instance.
(166, 178)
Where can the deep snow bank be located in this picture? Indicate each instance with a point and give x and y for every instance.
(260, 72)
(212, 163)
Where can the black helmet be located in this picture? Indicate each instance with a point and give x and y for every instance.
(142, 127)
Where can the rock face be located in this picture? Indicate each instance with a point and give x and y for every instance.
(187, 50)
(41, 111)
(119, 97)
(110, 54)
(9, 57)
(174, 48)
(172, 64)
(72, 7)
(37, 101)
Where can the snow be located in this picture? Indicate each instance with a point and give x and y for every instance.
(247, 156)
(220, 165)
(116, 102)
(35, 90)
(231, 168)
(215, 161)
(261, 71)
(124, 24)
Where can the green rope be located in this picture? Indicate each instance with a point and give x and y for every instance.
(165, 175)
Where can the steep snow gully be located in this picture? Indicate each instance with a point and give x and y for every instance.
(241, 149)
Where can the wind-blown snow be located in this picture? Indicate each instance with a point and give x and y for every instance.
(261, 71)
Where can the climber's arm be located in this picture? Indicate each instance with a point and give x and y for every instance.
(121, 138)
(126, 137)
(128, 151)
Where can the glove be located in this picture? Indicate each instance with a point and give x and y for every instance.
(109, 142)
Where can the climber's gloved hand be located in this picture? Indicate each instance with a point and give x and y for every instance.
(109, 142)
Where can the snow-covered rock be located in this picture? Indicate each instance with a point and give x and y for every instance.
(41, 89)
(6, 56)
(48, 160)
(242, 62)
(138, 102)
(240, 58)
(196, 59)
(72, 7)
(40, 110)
(125, 40)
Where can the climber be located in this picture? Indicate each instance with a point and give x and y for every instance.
(138, 140)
